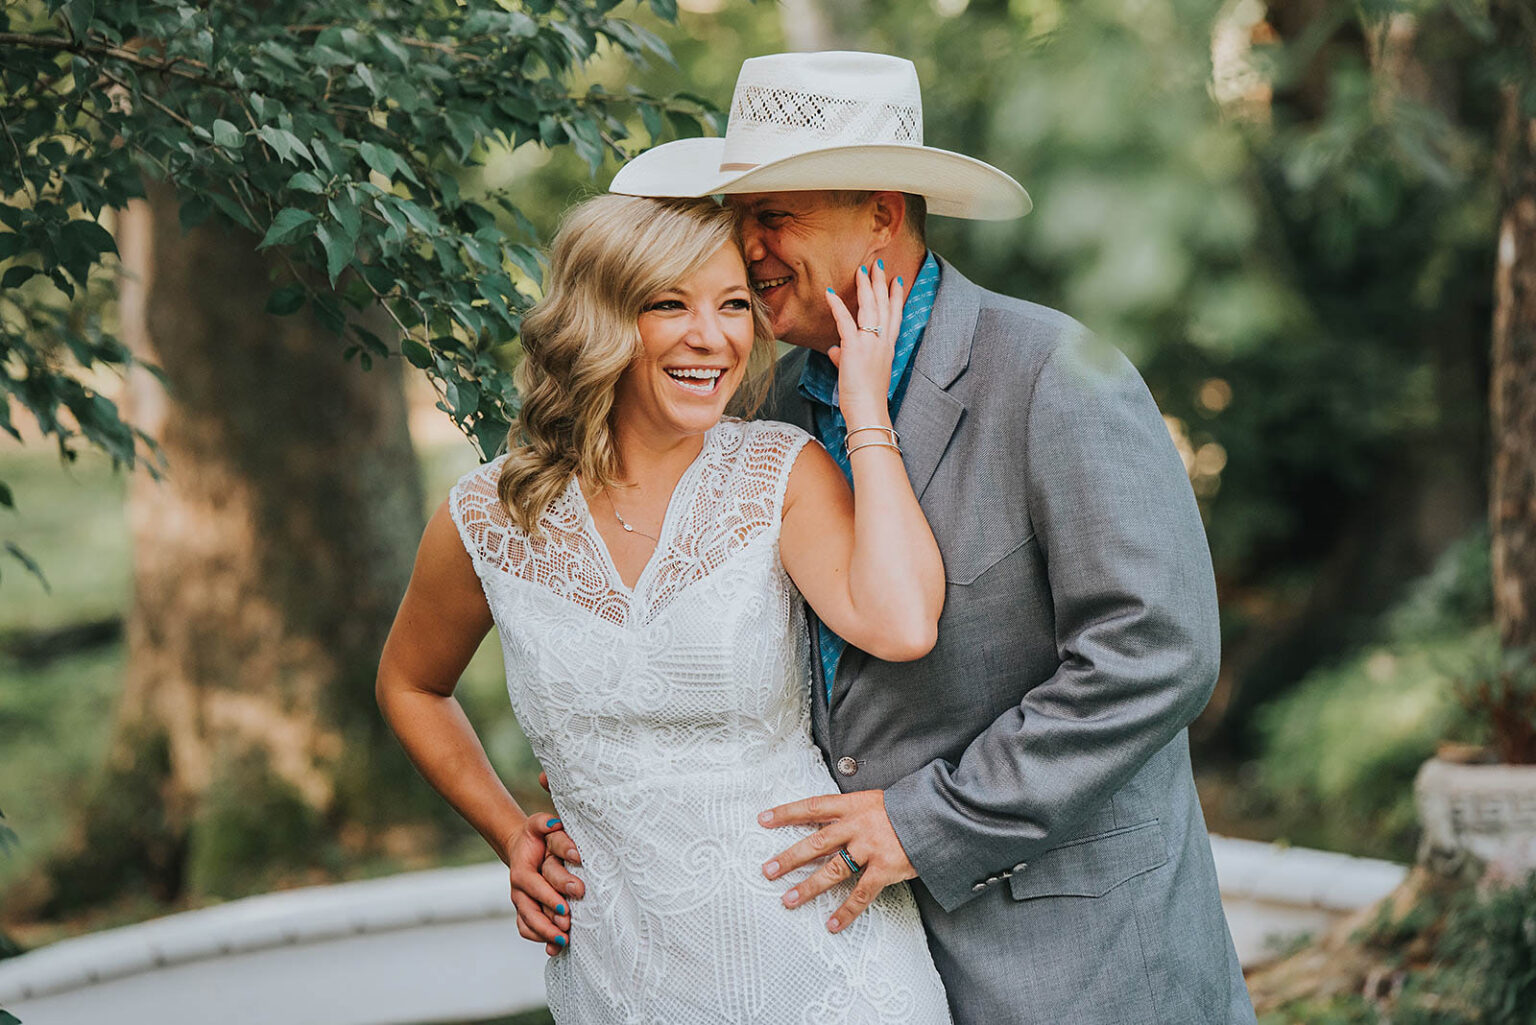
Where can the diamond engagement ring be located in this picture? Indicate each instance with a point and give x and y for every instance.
(872, 330)
(853, 866)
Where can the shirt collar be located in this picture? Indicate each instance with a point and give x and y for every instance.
(818, 381)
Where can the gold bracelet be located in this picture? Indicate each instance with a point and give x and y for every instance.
(888, 430)
(875, 444)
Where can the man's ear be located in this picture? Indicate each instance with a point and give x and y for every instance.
(889, 213)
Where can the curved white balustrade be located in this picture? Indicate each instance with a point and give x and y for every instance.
(442, 946)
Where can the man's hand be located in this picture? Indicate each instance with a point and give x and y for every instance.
(854, 822)
(559, 851)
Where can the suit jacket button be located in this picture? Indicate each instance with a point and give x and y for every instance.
(1021, 866)
(992, 879)
(978, 887)
(847, 766)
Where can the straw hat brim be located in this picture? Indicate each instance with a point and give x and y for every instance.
(954, 184)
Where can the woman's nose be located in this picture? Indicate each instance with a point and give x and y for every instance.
(708, 332)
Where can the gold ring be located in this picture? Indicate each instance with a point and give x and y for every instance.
(872, 330)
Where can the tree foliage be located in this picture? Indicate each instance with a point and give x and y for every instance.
(335, 130)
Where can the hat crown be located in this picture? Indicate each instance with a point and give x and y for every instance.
(789, 103)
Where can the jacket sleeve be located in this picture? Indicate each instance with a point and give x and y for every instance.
(1136, 629)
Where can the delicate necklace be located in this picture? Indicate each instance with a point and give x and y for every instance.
(628, 527)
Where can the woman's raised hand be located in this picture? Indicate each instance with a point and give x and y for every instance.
(867, 344)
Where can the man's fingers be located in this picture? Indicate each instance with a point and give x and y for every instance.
(544, 781)
(818, 882)
(864, 893)
(808, 810)
(560, 845)
(819, 844)
(835, 354)
(557, 875)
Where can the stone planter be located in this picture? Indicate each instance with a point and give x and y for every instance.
(1487, 812)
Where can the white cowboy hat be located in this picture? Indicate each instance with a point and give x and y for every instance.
(831, 120)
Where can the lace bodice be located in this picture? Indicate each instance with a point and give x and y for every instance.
(700, 660)
(667, 716)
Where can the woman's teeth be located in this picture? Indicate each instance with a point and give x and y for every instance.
(766, 283)
(700, 381)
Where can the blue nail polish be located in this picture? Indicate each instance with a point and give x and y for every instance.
(830, 289)
(898, 279)
(559, 909)
(863, 269)
(552, 823)
(880, 264)
(560, 941)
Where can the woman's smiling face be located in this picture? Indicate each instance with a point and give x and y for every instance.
(695, 338)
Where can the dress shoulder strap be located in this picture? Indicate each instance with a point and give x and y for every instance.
(774, 446)
(487, 532)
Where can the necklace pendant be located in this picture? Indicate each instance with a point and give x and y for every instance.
(627, 528)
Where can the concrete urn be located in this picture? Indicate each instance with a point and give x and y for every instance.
(1485, 811)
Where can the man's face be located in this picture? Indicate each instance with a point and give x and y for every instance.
(799, 244)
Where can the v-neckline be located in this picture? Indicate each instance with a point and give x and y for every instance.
(589, 524)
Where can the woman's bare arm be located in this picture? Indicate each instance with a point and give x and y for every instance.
(441, 621)
(866, 560)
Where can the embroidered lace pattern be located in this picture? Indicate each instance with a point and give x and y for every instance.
(667, 716)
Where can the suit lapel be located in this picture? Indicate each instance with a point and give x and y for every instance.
(929, 414)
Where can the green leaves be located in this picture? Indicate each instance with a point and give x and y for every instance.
(335, 137)
(289, 224)
(227, 135)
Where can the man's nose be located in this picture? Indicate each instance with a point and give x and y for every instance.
(751, 241)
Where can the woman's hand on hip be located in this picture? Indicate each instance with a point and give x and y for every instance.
(532, 895)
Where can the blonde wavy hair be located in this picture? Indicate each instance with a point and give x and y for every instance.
(611, 255)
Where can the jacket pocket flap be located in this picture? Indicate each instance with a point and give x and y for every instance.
(1093, 865)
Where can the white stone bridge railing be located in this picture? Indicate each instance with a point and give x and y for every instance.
(442, 946)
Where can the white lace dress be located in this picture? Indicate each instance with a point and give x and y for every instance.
(667, 717)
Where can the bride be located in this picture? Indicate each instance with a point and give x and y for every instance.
(642, 559)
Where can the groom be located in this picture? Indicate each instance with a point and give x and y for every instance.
(1031, 775)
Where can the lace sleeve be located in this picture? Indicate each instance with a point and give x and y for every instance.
(786, 441)
(476, 509)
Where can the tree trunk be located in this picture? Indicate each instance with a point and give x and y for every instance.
(1512, 510)
(268, 563)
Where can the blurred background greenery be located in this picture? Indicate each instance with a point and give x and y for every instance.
(1284, 212)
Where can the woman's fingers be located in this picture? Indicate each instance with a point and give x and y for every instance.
(847, 328)
(880, 291)
(869, 314)
(898, 302)
(561, 846)
(531, 915)
(557, 875)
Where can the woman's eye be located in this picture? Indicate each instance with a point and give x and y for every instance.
(662, 304)
(738, 304)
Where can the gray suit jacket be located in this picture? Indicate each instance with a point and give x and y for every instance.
(1036, 763)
